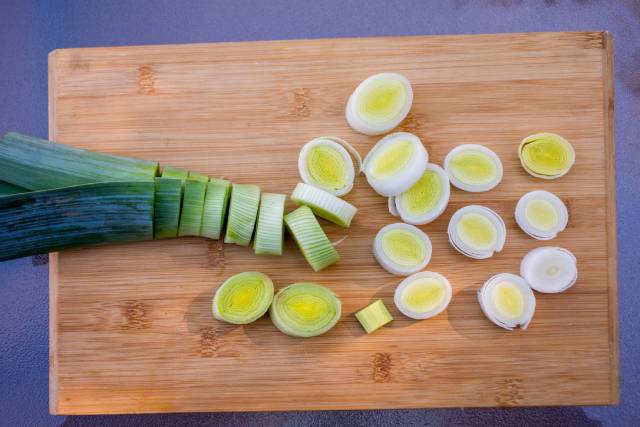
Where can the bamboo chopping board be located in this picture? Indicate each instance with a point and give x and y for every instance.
(131, 329)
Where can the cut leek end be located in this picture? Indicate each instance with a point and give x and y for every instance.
(198, 177)
(243, 212)
(324, 204)
(507, 301)
(243, 298)
(473, 167)
(305, 310)
(426, 200)
(546, 155)
(541, 214)
(175, 173)
(379, 103)
(423, 295)
(374, 316)
(311, 239)
(326, 163)
(270, 225)
(402, 249)
(215, 208)
(549, 269)
(395, 163)
(477, 232)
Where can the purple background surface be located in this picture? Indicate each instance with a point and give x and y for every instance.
(30, 29)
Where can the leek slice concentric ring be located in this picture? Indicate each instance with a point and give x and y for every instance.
(395, 163)
(379, 103)
(546, 155)
(549, 269)
(427, 199)
(402, 249)
(477, 232)
(326, 163)
(305, 310)
(324, 204)
(243, 298)
(541, 214)
(507, 300)
(423, 295)
(473, 167)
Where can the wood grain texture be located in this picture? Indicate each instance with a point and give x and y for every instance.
(131, 329)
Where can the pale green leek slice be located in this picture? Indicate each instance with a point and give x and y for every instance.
(243, 298)
(546, 155)
(174, 173)
(305, 310)
(326, 163)
(192, 208)
(324, 204)
(311, 239)
(215, 208)
(374, 316)
(270, 226)
(243, 211)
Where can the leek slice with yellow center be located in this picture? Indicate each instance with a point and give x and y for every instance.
(243, 298)
(379, 103)
(423, 295)
(402, 249)
(305, 310)
(541, 214)
(427, 199)
(473, 167)
(507, 301)
(477, 232)
(546, 155)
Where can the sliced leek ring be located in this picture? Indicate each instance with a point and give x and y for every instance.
(324, 204)
(427, 199)
(507, 300)
(379, 103)
(473, 167)
(326, 163)
(477, 232)
(402, 249)
(305, 310)
(549, 269)
(395, 163)
(243, 298)
(243, 211)
(541, 214)
(269, 235)
(311, 239)
(423, 295)
(546, 155)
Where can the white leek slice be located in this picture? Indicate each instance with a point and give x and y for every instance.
(546, 155)
(477, 232)
(270, 225)
(549, 269)
(427, 199)
(507, 301)
(473, 167)
(243, 298)
(326, 163)
(402, 249)
(379, 103)
(391, 201)
(395, 163)
(541, 214)
(243, 211)
(324, 204)
(423, 295)
(305, 310)
(311, 239)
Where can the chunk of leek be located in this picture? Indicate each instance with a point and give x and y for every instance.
(174, 173)
(311, 239)
(477, 232)
(541, 214)
(270, 225)
(168, 200)
(243, 298)
(37, 164)
(90, 214)
(305, 310)
(324, 204)
(374, 316)
(379, 103)
(427, 199)
(546, 155)
(402, 249)
(192, 208)
(214, 211)
(423, 295)
(549, 269)
(507, 301)
(473, 167)
(243, 211)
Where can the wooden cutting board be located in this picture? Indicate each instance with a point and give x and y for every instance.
(131, 329)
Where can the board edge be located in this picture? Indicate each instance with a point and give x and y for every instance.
(53, 257)
(612, 249)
